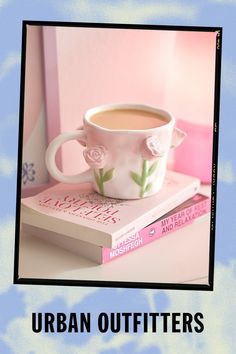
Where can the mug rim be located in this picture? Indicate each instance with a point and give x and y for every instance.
(114, 106)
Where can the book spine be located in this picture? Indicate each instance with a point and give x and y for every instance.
(154, 214)
(156, 230)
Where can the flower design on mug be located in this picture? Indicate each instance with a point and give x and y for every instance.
(28, 172)
(96, 156)
(151, 148)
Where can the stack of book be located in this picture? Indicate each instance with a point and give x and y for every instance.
(102, 229)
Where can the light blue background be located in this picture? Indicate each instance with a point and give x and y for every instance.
(17, 302)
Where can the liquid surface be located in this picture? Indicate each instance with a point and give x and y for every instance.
(128, 119)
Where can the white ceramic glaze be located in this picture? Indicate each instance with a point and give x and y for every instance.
(126, 164)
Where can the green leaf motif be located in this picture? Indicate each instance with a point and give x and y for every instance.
(99, 181)
(108, 175)
(97, 178)
(136, 178)
(144, 169)
(152, 168)
(148, 187)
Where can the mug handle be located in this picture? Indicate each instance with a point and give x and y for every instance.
(50, 160)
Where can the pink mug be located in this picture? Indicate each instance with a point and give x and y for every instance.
(124, 163)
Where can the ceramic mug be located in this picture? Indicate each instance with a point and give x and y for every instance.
(124, 163)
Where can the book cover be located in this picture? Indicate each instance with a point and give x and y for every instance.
(194, 208)
(177, 218)
(79, 212)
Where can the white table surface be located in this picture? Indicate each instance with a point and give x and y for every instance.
(180, 257)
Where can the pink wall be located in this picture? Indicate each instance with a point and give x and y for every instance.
(34, 79)
(35, 140)
(191, 77)
(170, 69)
(97, 66)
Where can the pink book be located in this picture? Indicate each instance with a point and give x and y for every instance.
(79, 212)
(177, 218)
(193, 209)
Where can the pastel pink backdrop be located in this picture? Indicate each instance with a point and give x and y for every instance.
(86, 67)
(35, 130)
(34, 94)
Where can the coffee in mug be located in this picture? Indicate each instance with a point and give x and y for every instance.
(123, 119)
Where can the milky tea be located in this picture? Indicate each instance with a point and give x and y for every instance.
(128, 119)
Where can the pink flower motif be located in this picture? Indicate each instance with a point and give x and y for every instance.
(96, 156)
(151, 148)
